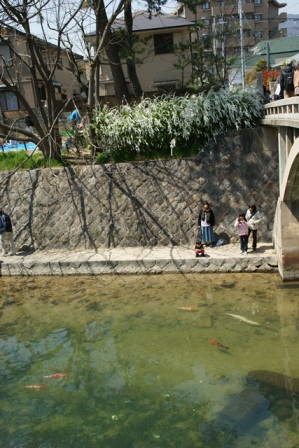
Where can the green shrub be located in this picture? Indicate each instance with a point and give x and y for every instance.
(102, 157)
(166, 123)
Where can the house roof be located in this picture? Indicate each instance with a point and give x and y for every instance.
(281, 50)
(49, 44)
(144, 21)
(281, 47)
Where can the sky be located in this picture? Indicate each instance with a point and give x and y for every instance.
(291, 8)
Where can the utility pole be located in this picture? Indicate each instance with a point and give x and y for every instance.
(240, 10)
(268, 56)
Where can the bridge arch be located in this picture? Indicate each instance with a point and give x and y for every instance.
(284, 116)
(289, 189)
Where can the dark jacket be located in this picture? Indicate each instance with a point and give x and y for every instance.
(210, 217)
(28, 121)
(287, 72)
(5, 223)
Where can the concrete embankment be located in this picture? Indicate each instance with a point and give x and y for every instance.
(140, 260)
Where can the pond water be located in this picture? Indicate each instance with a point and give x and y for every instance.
(142, 372)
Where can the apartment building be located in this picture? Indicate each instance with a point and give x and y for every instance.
(260, 20)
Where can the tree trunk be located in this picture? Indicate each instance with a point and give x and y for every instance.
(131, 66)
(120, 85)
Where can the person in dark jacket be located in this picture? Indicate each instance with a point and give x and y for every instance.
(206, 222)
(6, 235)
(286, 80)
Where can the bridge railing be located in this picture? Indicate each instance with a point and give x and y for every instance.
(282, 107)
(282, 113)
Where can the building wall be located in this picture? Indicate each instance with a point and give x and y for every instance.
(268, 25)
(21, 75)
(147, 203)
(156, 70)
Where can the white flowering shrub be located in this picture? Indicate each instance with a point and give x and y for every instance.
(168, 121)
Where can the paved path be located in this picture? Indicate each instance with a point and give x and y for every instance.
(139, 260)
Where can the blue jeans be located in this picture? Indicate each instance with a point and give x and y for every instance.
(244, 243)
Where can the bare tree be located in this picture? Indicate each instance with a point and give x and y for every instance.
(38, 60)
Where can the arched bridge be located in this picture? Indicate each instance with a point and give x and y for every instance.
(283, 115)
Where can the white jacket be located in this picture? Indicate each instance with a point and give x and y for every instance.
(253, 221)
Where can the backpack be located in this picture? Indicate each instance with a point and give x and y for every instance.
(288, 81)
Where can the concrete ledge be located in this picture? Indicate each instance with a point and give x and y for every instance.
(141, 260)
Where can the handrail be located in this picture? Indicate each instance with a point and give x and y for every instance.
(282, 107)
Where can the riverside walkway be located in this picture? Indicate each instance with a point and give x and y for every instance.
(139, 260)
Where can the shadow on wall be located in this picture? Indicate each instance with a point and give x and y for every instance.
(145, 203)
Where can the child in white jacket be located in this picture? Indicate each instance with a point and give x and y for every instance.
(243, 228)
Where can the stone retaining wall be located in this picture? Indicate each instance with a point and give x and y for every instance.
(146, 203)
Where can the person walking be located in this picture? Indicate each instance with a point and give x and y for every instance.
(296, 80)
(6, 234)
(243, 227)
(253, 217)
(278, 94)
(206, 222)
(29, 125)
(287, 81)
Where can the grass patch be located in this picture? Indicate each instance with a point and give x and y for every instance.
(10, 160)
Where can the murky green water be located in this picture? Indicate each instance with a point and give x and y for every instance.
(141, 372)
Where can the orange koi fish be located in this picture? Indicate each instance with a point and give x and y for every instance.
(187, 308)
(56, 375)
(35, 386)
(217, 344)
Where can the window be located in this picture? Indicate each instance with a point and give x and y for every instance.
(257, 17)
(258, 34)
(8, 100)
(163, 43)
(206, 5)
(5, 53)
(257, 2)
(42, 92)
(207, 22)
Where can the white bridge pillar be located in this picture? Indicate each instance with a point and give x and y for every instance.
(286, 227)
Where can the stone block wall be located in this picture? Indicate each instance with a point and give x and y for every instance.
(146, 203)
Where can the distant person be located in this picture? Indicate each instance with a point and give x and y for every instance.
(206, 222)
(278, 95)
(267, 95)
(243, 228)
(29, 125)
(287, 81)
(253, 217)
(296, 80)
(199, 249)
(6, 234)
(74, 118)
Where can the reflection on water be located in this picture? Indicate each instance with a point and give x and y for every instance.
(141, 372)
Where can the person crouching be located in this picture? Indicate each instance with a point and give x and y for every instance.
(199, 249)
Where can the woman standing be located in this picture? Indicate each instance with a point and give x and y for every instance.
(206, 222)
(296, 80)
(253, 217)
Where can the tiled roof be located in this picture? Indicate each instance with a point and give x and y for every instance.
(281, 50)
(143, 21)
(279, 47)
